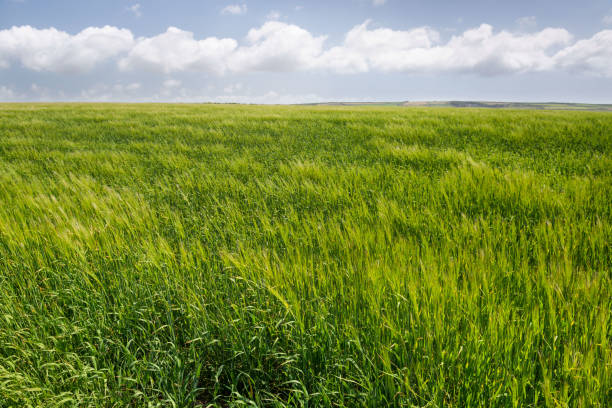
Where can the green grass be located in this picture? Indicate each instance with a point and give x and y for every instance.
(185, 255)
(480, 104)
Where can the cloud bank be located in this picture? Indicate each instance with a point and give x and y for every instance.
(57, 51)
(281, 47)
(177, 50)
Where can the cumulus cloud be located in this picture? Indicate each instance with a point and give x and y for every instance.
(176, 50)
(593, 55)
(57, 51)
(277, 46)
(234, 9)
(377, 3)
(482, 51)
(477, 50)
(382, 48)
(281, 47)
(607, 20)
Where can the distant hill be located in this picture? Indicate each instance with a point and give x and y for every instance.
(477, 104)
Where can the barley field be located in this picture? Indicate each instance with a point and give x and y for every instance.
(228, 256)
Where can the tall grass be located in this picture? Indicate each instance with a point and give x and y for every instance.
(169, 255)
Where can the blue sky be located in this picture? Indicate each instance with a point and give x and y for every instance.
(305, 51)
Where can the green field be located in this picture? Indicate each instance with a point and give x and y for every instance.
(210, 255)
(480, 104)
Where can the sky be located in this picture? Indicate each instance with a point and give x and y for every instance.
(298, 51)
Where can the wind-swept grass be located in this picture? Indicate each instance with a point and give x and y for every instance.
(170, 255)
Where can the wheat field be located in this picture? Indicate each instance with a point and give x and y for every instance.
(227, 255)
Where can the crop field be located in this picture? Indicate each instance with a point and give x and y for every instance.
(228, 255)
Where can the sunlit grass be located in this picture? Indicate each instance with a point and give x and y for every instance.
(185, 255)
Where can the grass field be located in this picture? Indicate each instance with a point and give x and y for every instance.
(480, 104)
(194, 255)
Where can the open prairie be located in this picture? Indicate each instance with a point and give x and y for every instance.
(227, 255)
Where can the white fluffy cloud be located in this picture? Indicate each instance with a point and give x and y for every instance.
(281, 47)
(482, 51)
(277, 46)
(57, 51)
(177, 50)
(593, 55)
(478, 50)
(380, 49)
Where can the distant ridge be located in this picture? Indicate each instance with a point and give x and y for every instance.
(479, 104)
